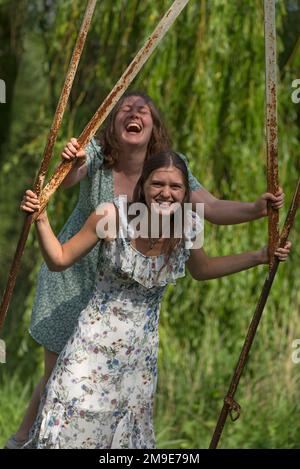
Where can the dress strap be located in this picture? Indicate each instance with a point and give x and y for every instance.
(94, 157)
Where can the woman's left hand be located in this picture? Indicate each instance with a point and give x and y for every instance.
(281, 253)
(277, 202)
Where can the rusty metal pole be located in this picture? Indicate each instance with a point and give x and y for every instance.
(271, 122)
(113, 97)
(60, 109)
(230, 405)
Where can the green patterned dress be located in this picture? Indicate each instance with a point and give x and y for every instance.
(61, 296)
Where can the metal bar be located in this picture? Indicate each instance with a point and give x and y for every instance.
(271, 122)
(113, 97)
(60, 109)
(230, 405)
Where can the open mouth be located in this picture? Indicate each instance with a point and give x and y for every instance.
(134, 128)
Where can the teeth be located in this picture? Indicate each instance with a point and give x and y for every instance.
(133, 127)
(164, 204)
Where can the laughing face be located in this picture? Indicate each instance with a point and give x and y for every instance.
(133, 123)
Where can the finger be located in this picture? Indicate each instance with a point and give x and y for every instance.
(282, 257)
(279, 201)
(33, 206)
(33, 203)
(270, 197)
(31, 194)
(283, 252)
(74, 142)
(68, 156)
(72, 148)
(26, 209)
(32, 198)
(277, 205)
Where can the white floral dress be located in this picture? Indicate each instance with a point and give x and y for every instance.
(101, 391)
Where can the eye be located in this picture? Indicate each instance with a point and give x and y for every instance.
(144, 110)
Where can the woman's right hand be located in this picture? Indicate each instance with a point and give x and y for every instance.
(30, 202)
(72, 150)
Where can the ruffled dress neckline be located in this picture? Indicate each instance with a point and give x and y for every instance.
(149, 271)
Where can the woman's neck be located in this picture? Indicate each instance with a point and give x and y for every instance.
(131, 161)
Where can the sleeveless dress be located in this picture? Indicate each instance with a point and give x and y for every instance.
(101, 391)
(61, 296)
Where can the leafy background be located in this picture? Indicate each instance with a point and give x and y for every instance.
(207, 77)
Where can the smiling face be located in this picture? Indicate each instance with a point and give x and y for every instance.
(133, 123)
(164, 187)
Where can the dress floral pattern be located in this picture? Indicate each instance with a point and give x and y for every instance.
(101, 391)
(61, 296)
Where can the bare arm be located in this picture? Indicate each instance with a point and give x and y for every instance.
(79, 170)
(76, 174)
(203, 267)
(59, 256)
(229, 212)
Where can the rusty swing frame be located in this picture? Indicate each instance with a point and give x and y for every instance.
(230, 406)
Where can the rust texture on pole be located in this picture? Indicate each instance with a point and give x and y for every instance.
(271, 122)
(230, 405)
(63, 100)
(114, 96)
(39, 180)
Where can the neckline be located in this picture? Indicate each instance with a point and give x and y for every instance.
(128, 241)
(144, 255)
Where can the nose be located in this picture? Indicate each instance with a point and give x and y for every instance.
(134, 112)
(166, 192)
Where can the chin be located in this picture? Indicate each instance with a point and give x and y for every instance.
(134, 140)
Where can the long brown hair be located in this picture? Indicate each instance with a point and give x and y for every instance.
(164, 159)
(159, 139)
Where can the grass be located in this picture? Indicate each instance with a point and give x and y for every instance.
(15, 396)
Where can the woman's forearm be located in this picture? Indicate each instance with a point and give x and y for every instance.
(50, 246)
(76, 174)
(216, 267)
(229, 212)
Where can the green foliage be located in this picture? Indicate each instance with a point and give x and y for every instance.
(207, 78)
